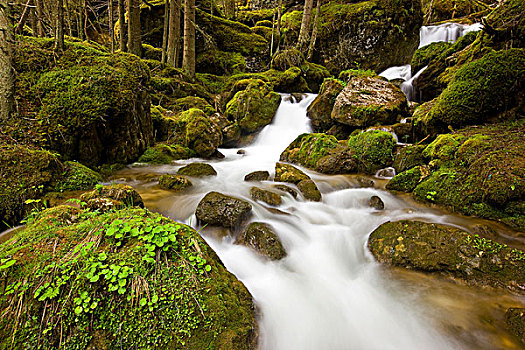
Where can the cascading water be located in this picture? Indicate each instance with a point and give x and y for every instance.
(447, 32)
(328, 292)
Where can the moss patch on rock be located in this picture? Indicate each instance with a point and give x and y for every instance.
(261, 238)
(77, 177)
(165, 154)
(174, 182)
(373, 150)
(98, 270)
(197, 170)
(320, 110)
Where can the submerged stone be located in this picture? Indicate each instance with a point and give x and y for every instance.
(174, 182)
(261, 238)
(197, 170)
(269, 197)
(376, 202)
(261, 175)
(309, 190)
(221, 210)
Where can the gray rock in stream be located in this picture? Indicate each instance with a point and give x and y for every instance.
(221, 210)
(261, 238)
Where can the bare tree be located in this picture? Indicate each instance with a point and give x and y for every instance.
(313, 38)
(188, 55)
(122, 25)
(40, 17)
(305, 24)
(7, 85)
(173, 51)
(165, 31)
(59, 30)
(229, 8)
(111, 24)
(134, 40)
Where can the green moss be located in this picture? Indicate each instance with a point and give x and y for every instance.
(151, 53)
(314, 75)
(481, 89)
(197, 170)
(200, 133)
(174, 182)
(182, 104)
(264, 23)
(406, 181)
(348, 74)
(165, 154)
(308, 149)
(251, 17)
(285, 59)
(77, 177)
(372, 149)
(425, 54)
(290, 80)
(444, 147)
(408, 157)
(220, 62)
(100, 273)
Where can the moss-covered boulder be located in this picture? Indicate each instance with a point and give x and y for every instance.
(481, 90)
(220, 62)
(309, 190)
(407, 181)
(124, 278)
(218, 209)
(424, 55)
(291, 80)
(165, 154)
(174, 182)
(197, 170)
(77, 177)
(254, 107)
(123, 193)
(373, 150)
(260, 175)
(470, 172)
(287, 58)
(196, 131)
(288, 173)
(286, 189)
(321, 152)
(261, 238)
(85, 104)
(408, 157)
(515, 320)
(373, 34)
(367, 101)
(449, 250)
(266, 196)
(320, 110)
(26, 175)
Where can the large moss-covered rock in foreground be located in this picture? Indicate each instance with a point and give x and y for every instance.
(320, 110)
(77, 177)
(221, 210)
(367, 101)
(26, 175)
(126, 278)
(373, 150)
(322, 153)
(261, 238)
(439, 248)
(86, 104)
(120, 192)
(254, 107)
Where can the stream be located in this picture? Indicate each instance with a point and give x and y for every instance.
(329, 292)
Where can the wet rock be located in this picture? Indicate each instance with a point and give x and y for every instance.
(376, 202)
(197, 170)
(408, 180)
(386, 173)
(289, 173)
(261, 238)
(222, 210)
(232, 135)
(286, 189)
(165, 154)
(174, 182)
(119, 192)
(373, 150)
(261, 175)
(241, 152)
(364, 182)
(103, 204)
(321, 152)
(320, 110)
(269, 197)
(408, 157)
(366, 101)
(445, 249)
(309, 190)
(515, 320)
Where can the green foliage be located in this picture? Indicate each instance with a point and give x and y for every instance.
(308, 149)
(77, 177)
(372, 149)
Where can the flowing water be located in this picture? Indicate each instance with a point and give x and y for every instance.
(447, 32)
(328, 292)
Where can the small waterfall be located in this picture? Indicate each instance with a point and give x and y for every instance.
(448, 32)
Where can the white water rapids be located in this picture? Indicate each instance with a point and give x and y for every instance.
(328, 293)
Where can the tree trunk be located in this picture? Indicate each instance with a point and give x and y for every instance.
(7, 85)
(111, 34)
(279, 9)
(229, 8)
(173, 52)
(305, 24)
(316, 25)
(34, 22)
(59, 33)
(40, 18)
(188, 57)
(134, 40)
(165, 31)
(23, 18)
(122, 25)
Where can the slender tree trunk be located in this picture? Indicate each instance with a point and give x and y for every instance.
(279, 9)
(34, 25)
(23, 18)
(313, 38)
(188, 57)
(165, 31)
(111, 34)
(305, 24)
(173, 51)
(134, 41)
(229, 8)
(80, 31)
(59, 31)
(7, 85)
(122, 25)
(85, 19)
(40, 18)
(69, 19)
